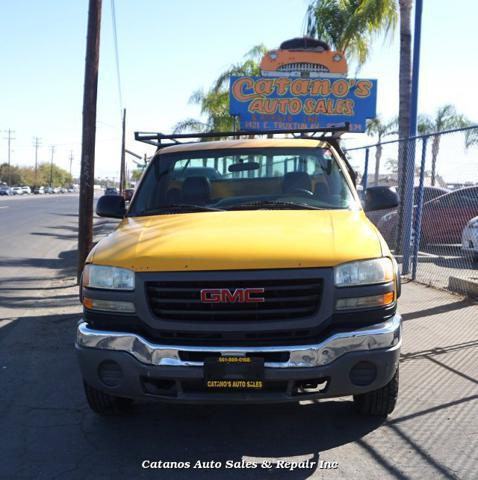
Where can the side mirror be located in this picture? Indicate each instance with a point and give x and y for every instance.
(380, 198)
(112, 206)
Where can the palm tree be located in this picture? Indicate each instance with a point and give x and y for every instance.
(214, 103)
(405, 82)
(349, 26)
(376, 127)
(446, 118)
(404, 93)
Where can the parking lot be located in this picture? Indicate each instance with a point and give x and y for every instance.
(49, 431)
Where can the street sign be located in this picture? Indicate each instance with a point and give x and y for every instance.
(265, 103)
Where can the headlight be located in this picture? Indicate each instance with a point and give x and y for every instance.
(364, 272)
(109, 278)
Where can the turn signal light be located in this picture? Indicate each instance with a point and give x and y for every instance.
(371, 301)
(108, 305)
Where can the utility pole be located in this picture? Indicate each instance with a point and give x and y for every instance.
(71, 162)
(9, 138)
(90, 92)
(123, 159)
(36, 144)
(52, 150)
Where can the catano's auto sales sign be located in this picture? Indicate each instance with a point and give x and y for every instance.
(265, 103)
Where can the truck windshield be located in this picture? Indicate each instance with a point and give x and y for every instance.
(234, 179)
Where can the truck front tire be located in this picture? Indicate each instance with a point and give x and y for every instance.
(105, 404)
(379, 402)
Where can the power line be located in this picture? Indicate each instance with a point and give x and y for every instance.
(115, 36)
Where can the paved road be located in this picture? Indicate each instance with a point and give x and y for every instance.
(48, 432)
(37, 235)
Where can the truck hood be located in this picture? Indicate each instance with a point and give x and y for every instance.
(258, 239)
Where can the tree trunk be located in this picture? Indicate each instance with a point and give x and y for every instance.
(378, 156)
(405, 85)
(435, 150)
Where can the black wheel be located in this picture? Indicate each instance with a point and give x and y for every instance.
(105, 404)
(379, 402)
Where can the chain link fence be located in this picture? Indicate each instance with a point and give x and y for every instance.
(434, 231)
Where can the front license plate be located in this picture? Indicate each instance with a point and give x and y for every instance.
(230, 373)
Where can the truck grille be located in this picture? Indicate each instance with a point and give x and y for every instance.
(283, 299)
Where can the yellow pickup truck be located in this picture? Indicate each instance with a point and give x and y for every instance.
(243, 270)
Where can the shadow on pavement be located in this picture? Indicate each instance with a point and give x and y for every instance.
(65, 264)
(437, 310)
(45, 411)
(220, 433)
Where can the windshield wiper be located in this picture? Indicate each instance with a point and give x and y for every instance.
(177, 208)
(274, 204)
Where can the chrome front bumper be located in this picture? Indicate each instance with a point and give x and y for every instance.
(385, 335)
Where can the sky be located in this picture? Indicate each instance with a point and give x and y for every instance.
(169, 49)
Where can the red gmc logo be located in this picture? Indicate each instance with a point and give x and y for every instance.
(224, 295)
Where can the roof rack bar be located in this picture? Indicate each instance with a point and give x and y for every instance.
(155, 138)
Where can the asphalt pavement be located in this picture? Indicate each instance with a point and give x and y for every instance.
(48, 432)
(37, 240)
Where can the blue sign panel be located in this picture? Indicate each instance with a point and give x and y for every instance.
(268, 103)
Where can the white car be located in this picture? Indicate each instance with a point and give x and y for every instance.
(17, 191)
(26, 189)
(469, 238)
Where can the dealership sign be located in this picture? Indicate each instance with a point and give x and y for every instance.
(268, 103)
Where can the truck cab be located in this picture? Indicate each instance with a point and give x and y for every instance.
(262, 282)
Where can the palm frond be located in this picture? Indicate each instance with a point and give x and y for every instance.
(196, 97)
(425, 124)
(191, 125)
(471, 138)
(379, 128)
(350, 25)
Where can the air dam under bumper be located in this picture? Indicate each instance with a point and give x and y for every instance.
(346, 363)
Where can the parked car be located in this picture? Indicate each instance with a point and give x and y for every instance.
(39, 190)
(56, 190)
(5, 190)
(469, 239)
(429, 193)
(111, 191)
(63, 190)
(49, 190)
(443, 219)
(17, 190)
(128, 194)
(26, 189)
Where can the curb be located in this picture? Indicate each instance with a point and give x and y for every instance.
(465, 287)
